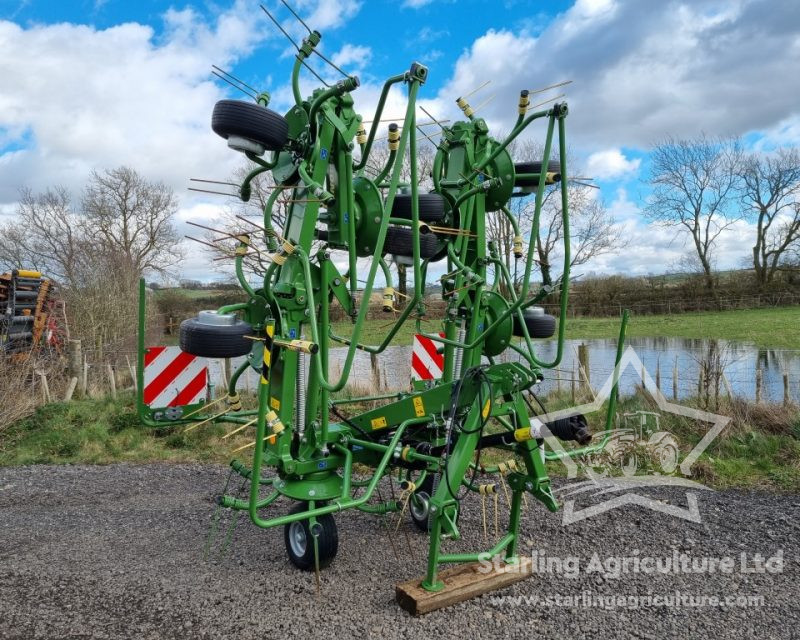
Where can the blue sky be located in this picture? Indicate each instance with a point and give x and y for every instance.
(93, 84)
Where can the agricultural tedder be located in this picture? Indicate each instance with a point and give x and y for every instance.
(433, 434)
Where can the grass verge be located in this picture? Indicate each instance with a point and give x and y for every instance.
(759, 449)
(102, 431)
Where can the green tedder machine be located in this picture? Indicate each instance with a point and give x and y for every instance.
(308, 441)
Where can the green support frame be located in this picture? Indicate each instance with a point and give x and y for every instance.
(435, 430)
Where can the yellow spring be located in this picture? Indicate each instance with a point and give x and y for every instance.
(287, 249)
(394, 137)
(274, 423)
(524, 101)
(388, 299)
(464, 106)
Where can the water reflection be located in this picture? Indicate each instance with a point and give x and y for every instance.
(722, 364)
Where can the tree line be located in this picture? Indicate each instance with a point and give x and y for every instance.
(98, 243)
(704, 186)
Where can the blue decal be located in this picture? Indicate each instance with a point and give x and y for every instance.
(480, 327)
(322, 464)
(292, 333)
(323, 153)
(346, 217)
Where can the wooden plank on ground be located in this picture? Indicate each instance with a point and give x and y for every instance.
(461, 582)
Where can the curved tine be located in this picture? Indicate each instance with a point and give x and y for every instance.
(233, 77)
(224, 79)
(278, 24)
(294, 13)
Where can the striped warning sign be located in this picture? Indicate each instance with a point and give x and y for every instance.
(173, 378)
(426, 361)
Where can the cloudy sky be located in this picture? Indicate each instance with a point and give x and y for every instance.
(94, 84)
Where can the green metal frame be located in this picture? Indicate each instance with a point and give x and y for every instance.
(313, 460)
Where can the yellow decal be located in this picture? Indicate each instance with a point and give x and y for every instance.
(419, 408)
(378, 423)
(275, 403)
(486, 408)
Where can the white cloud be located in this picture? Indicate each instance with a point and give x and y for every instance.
(88, 98)
(642, 70)
(415, 4)
(329, 14)
(77, 98)
(610, 164)
(354, 56)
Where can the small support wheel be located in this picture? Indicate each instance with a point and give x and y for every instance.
(419, 504)
(299, 539)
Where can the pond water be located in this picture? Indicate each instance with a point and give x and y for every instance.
(391, 370)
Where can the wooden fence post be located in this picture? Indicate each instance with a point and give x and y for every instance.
(658, 374)
(786, 398)
(675, 379)
(759, 380)
(727, 384)
(583, 364)
(73, 382)
(85, 377)
(112, 381)
(572, 382)
(132, 372)
(45, 386)
(74, 358)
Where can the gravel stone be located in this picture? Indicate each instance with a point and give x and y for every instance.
(117, 552)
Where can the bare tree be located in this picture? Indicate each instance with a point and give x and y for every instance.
(593, 231)
(694, 185)
(47, 235)
(97, 252)
(132, 219)
(770, 187)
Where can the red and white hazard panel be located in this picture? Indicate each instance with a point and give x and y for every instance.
(426, 362)
(173, 378)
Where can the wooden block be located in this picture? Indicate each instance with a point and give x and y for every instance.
(461, 582)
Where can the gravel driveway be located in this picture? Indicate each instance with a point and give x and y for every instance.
(116, 552)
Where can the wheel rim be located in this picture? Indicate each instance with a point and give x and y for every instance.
(297, 539)
(419, 505)
(669, 460)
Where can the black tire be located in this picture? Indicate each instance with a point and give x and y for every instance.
(251, 121)
(300, 543)
(399, 242)
(554, 166)
(540, 325)
(418, 506)
(431, 207)
(215, 341)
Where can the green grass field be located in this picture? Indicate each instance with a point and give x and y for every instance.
(776, 328)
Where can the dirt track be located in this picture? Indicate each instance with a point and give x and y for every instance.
(115, 552)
